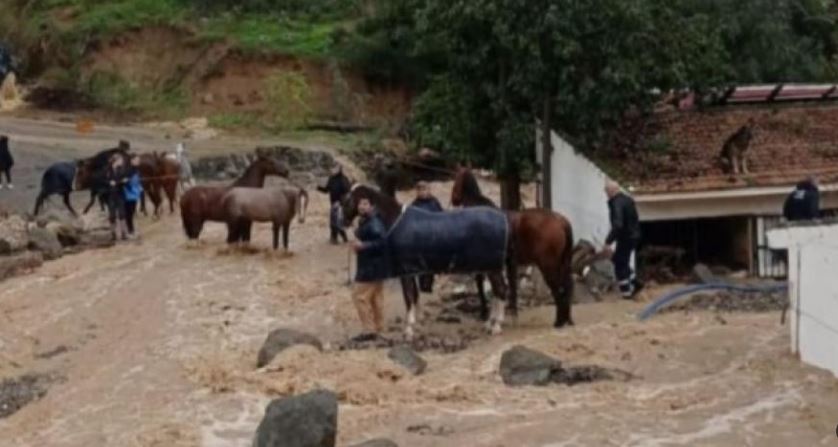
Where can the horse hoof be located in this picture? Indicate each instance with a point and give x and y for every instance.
(496, 330)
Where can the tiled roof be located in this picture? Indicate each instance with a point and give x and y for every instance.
(682, 147)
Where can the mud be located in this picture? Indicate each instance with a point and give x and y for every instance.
(164, 338)
(731, 302)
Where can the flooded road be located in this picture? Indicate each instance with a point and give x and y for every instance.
(156, 345)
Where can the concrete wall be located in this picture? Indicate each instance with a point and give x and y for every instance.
(813, 290)
(577, 189)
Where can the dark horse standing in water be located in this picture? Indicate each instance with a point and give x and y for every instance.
(390, 211)
(537, 237)
(203, 203)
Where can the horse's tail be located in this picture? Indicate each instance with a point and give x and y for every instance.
(567, 272)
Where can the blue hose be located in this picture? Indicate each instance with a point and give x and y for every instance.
(674, 295)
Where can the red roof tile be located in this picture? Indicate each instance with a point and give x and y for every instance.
(683, 147)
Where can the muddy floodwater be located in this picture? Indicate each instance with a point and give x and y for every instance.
(155, 345)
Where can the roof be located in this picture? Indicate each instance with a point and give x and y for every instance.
(679, 150)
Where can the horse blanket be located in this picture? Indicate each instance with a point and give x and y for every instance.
(463, 241)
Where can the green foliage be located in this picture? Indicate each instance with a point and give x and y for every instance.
(267, 33)
(660, 144)
(305, 9)
(233, 120)
(289, 100)
(110, 91)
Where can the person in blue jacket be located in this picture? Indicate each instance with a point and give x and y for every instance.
(132, 191)
(368, 291)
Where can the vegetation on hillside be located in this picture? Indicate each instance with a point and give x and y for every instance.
(486, 70)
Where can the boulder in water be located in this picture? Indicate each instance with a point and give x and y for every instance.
(14, 236)
(46, 242)
(521, 366)
(282, 339)
(411, 361)
(307, 420)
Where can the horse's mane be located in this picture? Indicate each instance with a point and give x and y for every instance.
(470, 189)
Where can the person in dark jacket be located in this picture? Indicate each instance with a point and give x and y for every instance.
(6, 162)
(625, 231)
(338, 186)
(117, 177)
(368, 291)
(426, 201)
(387, 177)
(804, 202)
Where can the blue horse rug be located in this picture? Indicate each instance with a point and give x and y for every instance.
(463, 241)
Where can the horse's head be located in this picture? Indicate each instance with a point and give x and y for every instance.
(272, 166)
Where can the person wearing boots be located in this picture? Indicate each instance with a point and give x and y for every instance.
(117, 178)
(625, 231)
(6, 163)
(337, 187)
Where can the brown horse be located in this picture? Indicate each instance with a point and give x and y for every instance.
(203, 203)
(243, 206)
(390, 210)
(537, 237)
(159, 173)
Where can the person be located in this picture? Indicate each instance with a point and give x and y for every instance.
(6, 162)
(804, 202)
(337, 187)
(387, 176)
(132, 192)
(117, 177)
(368, 291)
(185, 177)
(625, 231)
(426, 201)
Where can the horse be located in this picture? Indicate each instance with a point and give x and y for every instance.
(390, 210)
(537, 237)
(243, 206)
(159, 172)
(64, 177)
(203, 203)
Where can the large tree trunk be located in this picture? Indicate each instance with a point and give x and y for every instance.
(510, 192)
(546, 157)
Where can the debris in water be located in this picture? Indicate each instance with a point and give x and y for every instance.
(61, 349)
(18, 392)
(427, 430)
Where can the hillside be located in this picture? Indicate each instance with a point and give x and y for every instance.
(270, 64)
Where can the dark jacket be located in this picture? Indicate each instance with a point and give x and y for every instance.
(803, 203)
(430, 204)
(6, 159)
(625, 223)
(119, 176)
(372, 258)
(337, 187)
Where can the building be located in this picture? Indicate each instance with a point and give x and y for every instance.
(670, 162)
(813, 288)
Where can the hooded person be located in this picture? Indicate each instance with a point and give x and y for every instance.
(804, 202)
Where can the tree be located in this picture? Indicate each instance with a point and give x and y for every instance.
(579, 64)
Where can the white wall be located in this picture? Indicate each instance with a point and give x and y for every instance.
(813, 291)
(577, 192)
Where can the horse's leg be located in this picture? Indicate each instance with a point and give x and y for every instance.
(286, 230)
(68, 205)
(561, 287)
(275, 230)
(481, 292)
(495, 324)
(512, 279)
(171, 191)
(142, 202)
(92, 201)
(39, 202)
(411, 301)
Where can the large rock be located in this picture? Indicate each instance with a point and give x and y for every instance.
(94, 221)
(380, 442)
(97, 238)
(405, 357)
(522, 366)
(19, 262)
(68, 234)
(307, 420)
(282, 339)
(13, 235)
(46, 242)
